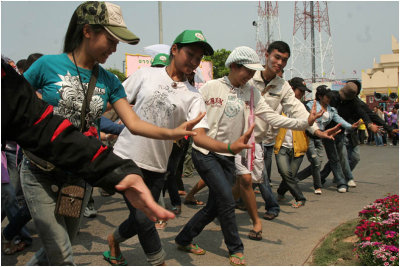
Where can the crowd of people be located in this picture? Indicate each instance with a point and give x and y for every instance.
(157, 122)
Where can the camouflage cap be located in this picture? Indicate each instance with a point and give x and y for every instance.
(109, 16)
(160, 60)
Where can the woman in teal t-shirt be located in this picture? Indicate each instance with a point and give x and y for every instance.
(93, 34)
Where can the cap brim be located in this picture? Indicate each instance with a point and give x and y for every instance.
(122, 34)
(305, 89)
(208, 50)
(254, 66)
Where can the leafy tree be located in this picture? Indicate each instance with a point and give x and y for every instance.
(218, 61)
(121, 76)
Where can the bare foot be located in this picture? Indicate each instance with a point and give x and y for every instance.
(114, 250)
(237, 259)
(257, 226)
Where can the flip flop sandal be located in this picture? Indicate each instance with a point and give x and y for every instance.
(253, 235)
(21, 245)
(160, 225)
(120, 261)
(236, 256)
(192, 248)
(9, 248)
(194, 202)
(298, 204)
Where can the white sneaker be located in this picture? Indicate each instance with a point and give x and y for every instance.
(318, 191)
(90, 212)
(351, 183)
(342, 190)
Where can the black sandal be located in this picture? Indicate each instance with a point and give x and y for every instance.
(253, 235)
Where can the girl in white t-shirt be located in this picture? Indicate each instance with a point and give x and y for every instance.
(163, 97)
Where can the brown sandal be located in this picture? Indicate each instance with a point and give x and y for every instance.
(9, 247)
(192, 248)
(21, 245)
(253, 235)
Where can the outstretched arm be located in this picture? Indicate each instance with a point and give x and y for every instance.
(139, 127)
(204, 141)
(30, 122)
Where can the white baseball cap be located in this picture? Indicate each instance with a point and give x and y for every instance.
(245, 56)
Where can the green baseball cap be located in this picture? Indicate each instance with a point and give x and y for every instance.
(194, 36)
(108, 15)
(160, 60)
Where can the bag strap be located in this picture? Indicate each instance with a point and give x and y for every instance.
(88, 96)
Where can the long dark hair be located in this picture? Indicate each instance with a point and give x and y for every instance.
(74, 36)
(322, 91)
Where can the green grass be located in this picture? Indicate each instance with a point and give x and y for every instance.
(334, 251)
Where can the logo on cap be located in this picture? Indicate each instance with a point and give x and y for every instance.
(115, 15)
(200, 36)
(163, 58)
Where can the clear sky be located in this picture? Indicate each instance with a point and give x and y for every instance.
(361, 30)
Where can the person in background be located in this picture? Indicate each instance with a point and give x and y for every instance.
(15, 235)
(21, 65)
(29, 61)
(290, 147)
(378, 135)
(315, 149)
(352, 108)
(382, 116)
(361, 132)
(340, 153)
(393, 122)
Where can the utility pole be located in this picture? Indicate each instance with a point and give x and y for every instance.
(160, 26)
(312, 42)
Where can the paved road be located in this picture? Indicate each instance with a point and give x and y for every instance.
(287, 240)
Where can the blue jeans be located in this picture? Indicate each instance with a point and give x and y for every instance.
(268, 151)
(9, 202)
(177, 155)
(17, 223)
(338, 161)
(378, 140)
(314, 154)
(288, 165)
(218, 172)
(271, 204)
(353, 153)
(56, 232)
(138, 224)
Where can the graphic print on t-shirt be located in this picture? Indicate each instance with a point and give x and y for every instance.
(159, 109)
(233, 106)
(71, 99)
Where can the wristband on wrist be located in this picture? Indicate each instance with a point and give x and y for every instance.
(230, 150)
